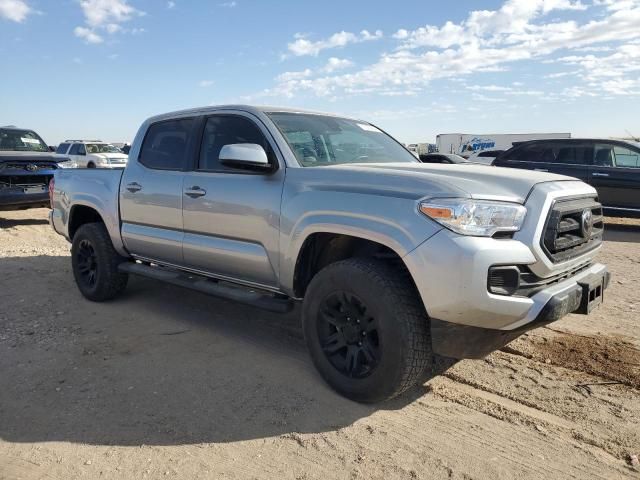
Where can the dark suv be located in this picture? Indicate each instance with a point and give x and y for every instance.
(611, 166)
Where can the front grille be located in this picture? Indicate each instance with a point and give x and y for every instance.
(30, 166)
(574, 226)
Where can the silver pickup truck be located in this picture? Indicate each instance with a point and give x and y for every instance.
(394, 262)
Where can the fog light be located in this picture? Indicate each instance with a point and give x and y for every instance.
(503, 280)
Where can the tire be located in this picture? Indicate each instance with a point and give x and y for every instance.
(95, 263)
(379, 304)
(91, 165)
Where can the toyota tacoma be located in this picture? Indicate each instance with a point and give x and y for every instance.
(26, 167)
(394, 262)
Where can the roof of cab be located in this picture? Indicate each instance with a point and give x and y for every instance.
(255, 109)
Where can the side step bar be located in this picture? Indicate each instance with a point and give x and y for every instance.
(255, 298)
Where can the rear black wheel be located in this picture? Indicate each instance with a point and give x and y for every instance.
(95, 263)
(366, 329)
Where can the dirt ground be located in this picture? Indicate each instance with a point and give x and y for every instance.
(168, 383)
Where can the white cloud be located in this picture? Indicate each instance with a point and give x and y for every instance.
(15, 10)
(335, 64)
(486, 41)
(105, 16)
(87, 34)
(205, 83)
(228, 4)
(302, 46)
(171, 4)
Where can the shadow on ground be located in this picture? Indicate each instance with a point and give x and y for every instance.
(11, 222)
(159, 366)
(621, 232)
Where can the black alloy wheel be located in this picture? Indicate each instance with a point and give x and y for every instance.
(87, 262)
(348, 335)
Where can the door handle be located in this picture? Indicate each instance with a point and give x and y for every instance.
(134, 187)
(195, 192)
(600, 174)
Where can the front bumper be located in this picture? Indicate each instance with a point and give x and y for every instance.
(464, 341)
(16, 198)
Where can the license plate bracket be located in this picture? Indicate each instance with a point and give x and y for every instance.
(592, 292)
(34, 189)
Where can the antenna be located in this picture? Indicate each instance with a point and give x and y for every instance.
(635, 139)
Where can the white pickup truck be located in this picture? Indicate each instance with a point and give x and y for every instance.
(92, 154)
(392, 260)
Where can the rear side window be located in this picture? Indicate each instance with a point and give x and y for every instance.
(165, 144)
(221, 130)
(62, 148)
(574, 154)
(535, 152)
(76, 149)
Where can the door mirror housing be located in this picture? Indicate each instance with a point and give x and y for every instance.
(245, 155)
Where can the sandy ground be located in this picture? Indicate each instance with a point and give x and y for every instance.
(168, 383)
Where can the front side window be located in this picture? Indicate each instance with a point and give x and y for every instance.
(75, 149)
(62, 148)
(165, 144)
(221, 130)
(611, 155)
(21, 141)
(102, 148)
(319, 140)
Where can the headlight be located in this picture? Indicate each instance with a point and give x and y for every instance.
(480, 218)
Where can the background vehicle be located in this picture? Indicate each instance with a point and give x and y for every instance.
(485, 157)
(465, 144)
(273, 206)
(92, 154)
(26, 166)
(611, 166)
(442, 158)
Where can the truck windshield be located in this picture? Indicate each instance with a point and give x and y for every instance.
(21, 141)
(319, 140)
(102, 148)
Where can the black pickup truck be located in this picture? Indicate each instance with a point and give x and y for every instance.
(26, 166)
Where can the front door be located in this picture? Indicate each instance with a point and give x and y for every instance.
(615, 173)
(151, 192)
(232, 217)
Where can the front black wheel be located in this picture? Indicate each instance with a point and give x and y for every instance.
(366, 329)
(95, 263)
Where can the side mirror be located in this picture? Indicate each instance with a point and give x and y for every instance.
(244, 155)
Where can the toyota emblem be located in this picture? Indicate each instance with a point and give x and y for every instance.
(587, 223)
(31, 167)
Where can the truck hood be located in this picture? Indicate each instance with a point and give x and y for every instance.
(435, 180)
(8, 156)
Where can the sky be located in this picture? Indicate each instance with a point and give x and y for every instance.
(98, 68)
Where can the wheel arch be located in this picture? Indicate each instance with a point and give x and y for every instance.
(322, 248)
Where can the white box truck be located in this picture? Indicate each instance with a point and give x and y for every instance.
(466, 144)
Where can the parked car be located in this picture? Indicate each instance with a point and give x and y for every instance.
(92, 154)
(442, 158)
(611, 166)
(392, 260)
(26, 166)
(485, 157)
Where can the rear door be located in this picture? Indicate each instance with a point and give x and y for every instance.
(232, 216)
(615, 173)
(151, 192)
(78, 155)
